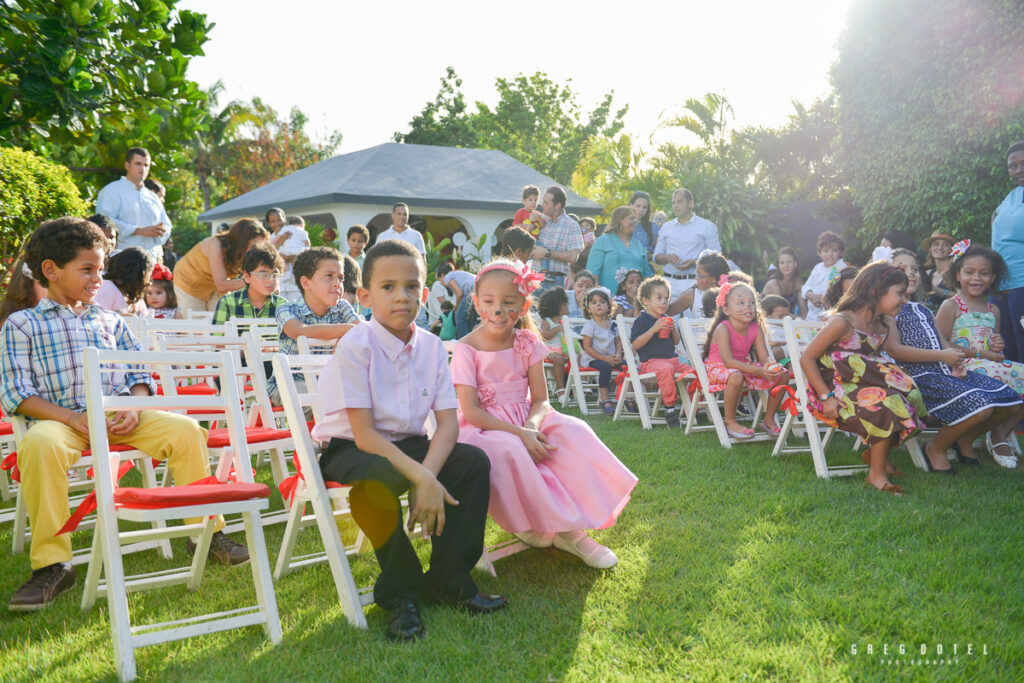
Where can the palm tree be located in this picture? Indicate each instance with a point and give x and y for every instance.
(220, 131)
(708, 119)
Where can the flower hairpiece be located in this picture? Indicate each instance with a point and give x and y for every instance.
(723, 279)
(621, 273)
(959, 249)
(833, 274)
(606, 291)
(525, 279)
(162, 272)
(26, 271)
(882, 254)
(723, 291)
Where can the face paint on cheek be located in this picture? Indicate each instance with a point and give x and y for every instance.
(513, 315)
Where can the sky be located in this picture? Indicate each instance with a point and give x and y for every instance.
(367, 68)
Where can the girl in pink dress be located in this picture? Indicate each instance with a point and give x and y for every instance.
(736, 330)
(551, 476)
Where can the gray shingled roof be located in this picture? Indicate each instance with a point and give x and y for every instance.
(421, 175)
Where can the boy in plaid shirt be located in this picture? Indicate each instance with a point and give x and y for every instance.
(261, 270)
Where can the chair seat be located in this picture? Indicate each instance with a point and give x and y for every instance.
(114, 448)
(200, 389)
(219, 437)
(180, 496)
(6, 429)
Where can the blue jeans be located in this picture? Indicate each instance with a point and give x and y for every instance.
(604, 370)
(1011, 308)
(551, 280)
(423, 320)
(462, 327)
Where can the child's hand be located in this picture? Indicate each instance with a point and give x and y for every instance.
(426, 505)
(830, 408)
(953, 357)
(996, 343)
(662, 323)
(536, 444)
(123, 422)
(80, 423)
(616, 359)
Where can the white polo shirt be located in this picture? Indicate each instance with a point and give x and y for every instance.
(409, 235)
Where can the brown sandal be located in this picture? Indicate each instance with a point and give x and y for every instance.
(866, 457)
(889, 488)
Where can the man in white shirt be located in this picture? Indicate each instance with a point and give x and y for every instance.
(400, 229)
(681, 241)
(137, 212)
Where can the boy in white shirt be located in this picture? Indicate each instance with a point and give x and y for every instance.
(830, 250)
(383, 381)
(290, 241)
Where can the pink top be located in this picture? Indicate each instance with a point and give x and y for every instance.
(401, 383)
(110, 298)
(740, 346)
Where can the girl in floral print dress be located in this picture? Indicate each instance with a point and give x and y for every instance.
(853, 385)
(551, 476)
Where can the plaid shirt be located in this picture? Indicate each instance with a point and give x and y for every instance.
(239, 305)
(42, 355)
(342, 312)
(561, 234)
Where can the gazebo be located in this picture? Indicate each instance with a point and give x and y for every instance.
(448, 190)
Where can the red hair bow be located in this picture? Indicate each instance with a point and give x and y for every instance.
(526, 280)
(162, 272)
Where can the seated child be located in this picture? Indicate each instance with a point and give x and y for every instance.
(320, 313)
(625, 298)
(736, 330)
(378, 445)
(525, 217)
(125, 282)
(655, 336)
(290, 241)
(516, 244)
(830, 250)
(554, 304)
(776, 307)
(551, 476)
(854, 385)
(602, 348)
(41, 377)
(969, 404)
(839, 283)
(161, 301)
(261, 270)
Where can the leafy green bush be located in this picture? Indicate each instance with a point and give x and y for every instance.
(32, 190)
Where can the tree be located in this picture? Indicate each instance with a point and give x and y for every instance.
(81, 80)
(535, 120)
(221, 128)
(929, 99)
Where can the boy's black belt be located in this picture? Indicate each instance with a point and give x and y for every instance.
(681, 277)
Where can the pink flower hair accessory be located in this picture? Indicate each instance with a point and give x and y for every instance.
(723, 291)
(959, 249)
(525, 279)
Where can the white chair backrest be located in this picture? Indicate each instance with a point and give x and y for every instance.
(625, 326)
(694, 334)
(258, 351)
(200, 343)
(799, 334)
(309, 346)
(776, 331)
(309, 367)
(193, 314)
(266, 328)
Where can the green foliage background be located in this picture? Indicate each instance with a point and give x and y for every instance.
(930, 95)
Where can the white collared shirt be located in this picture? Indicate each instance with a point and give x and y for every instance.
(687, 240)
(409, 235)
(400, 382)
(130, 208)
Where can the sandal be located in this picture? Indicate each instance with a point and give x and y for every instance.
(747, 433)
(768, 427)
(608, 406)
(970, 462)
(891, 489)
(1007, 461)
(631, 406)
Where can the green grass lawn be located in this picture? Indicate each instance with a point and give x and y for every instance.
(731, 564)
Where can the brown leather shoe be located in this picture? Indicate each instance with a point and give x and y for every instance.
(223, 550)
(43, 588)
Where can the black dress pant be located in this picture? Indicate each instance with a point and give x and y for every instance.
(376, 486)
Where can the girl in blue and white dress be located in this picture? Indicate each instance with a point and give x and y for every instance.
(968, 404)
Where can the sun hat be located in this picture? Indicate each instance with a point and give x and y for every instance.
(937, 235)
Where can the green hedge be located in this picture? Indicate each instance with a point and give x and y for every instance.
(32, 190)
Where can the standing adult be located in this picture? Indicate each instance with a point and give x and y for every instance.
(937, 248)
(211, 269)
(647, 230)
(619, 248)
(681, 241)
(136, 210)
(559, 242)
(1008, 240)
(400, 229)
(787, 281)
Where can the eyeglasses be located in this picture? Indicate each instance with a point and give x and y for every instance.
(266, 277)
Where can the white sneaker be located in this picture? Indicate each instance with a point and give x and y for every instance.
(581, 545)
(537, 539)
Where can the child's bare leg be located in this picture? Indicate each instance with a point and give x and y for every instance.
(878, 455)
(771, 406)
(602, 393)
(558, 369)
(733, 388)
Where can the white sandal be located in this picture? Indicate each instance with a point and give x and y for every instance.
(536, 539)
(1007, 461)
(581, 545)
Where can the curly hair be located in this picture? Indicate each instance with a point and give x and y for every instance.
(648, 286)
(996, 262)
(59, 241)
(551, 302)
(130, 271)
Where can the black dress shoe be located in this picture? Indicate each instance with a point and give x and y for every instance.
(404, 622)
(481, 603)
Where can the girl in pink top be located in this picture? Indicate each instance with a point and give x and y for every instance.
(551, 476)
(738, 328)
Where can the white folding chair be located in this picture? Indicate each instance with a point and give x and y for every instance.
(580, 380)
(637, 386)
(193, 314)
(178, 502)
(266, 328)
(8, 489)
(312, 346)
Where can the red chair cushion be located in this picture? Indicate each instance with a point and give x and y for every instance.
(219, 437)
(177, 496)
(6, 428)
(200, 389)
(114, 448)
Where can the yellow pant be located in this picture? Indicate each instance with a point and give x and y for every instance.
(50, 448)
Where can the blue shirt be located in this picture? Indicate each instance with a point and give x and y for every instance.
(641, 236)
(341, 312)
(133, 207)
(608, 254)
(656, 347)
(42, 350)
(1008, 237)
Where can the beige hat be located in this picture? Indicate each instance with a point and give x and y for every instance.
(927, 244)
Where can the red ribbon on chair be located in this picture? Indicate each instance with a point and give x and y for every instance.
(89, 503)
(291, 484)
(11, 463)
(791, 403)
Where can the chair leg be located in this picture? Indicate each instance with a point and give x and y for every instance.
(94, 572)
(259, 562)
(291, 533)
(199, 559)
(20, 524)
(344, 583)
(149, 481)
(117, 598)
(780, 441)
